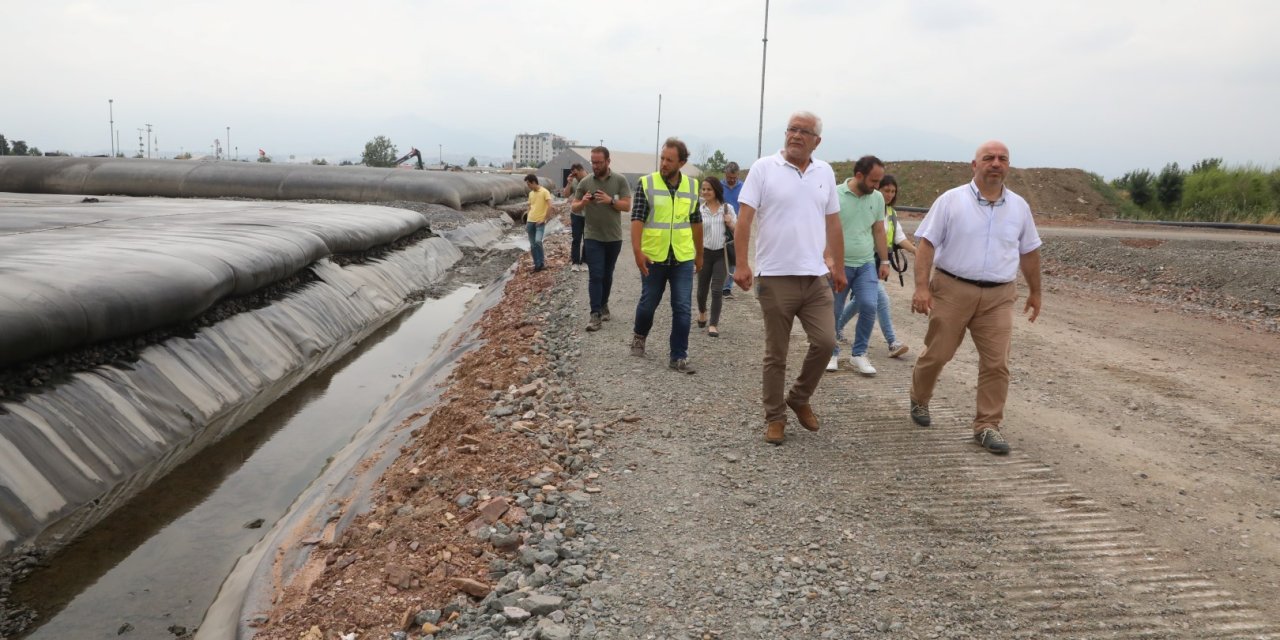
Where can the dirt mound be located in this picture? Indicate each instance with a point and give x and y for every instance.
(1067, 193)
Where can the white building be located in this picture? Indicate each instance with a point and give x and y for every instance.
(531, 149)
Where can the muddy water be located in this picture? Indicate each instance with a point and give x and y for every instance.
(157, 563)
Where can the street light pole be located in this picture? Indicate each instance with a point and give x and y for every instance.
(111, 116)
(228, 138)
(764, 57)
(657, 135)
(148, 141)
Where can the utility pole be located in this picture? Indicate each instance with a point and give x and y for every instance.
(119, 150)
(764, 57)
(142, 151)
(111, 115)
(228, 137)
(441, 155)
(657, 136)
(148, 141)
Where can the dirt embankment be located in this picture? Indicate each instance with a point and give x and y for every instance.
(1065, 193)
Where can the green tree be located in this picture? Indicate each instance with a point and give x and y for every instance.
(1169, 186)
(379, 152)
(19, 148)
(319, 161)
(1141, 186)
(1208, 164)
(264, 158)
(714, 165)
(4, 146)
(472, 162)
(1223, 194)
(34, 151)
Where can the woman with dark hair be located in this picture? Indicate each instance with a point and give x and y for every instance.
(718, 222)
(896, 238)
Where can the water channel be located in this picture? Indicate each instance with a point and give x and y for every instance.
(151, 569)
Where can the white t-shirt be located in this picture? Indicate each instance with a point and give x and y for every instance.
(977, 239)
(791, 215)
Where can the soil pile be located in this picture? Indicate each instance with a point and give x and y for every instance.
(1065, 193)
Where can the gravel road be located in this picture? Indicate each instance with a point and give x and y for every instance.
(1139, 500)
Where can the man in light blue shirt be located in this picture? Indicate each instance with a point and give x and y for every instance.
(732, 187)
(865, 255)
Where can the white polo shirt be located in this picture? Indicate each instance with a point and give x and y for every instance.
(791, 214)
(978, 239)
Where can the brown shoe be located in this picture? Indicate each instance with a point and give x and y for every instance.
(773, 432)
(804, 413)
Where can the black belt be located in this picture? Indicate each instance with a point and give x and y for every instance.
(977, 283)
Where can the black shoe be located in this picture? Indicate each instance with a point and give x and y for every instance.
(682, 365)
(727, 294)
(992, 440)
(920, 414)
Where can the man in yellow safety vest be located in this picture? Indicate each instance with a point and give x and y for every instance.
(666, 237)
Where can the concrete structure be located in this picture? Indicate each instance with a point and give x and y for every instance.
(532, 149)
(628, 163)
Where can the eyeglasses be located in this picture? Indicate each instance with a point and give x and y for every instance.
(795, 130)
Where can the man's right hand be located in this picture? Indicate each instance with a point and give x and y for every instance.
(742, 276)
(642, 263)
(922, 301)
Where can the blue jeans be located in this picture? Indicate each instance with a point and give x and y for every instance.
(601, 257)
(536, 231)
(579, 224)
(680, 275)
(862, 286)
(882, 311)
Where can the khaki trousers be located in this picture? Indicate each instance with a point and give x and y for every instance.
(782, 300)
(988, 315)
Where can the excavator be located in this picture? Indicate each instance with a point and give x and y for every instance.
(413, 153)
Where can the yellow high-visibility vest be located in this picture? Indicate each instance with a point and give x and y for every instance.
(667, 229)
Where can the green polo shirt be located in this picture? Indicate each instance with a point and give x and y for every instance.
(603, 222)
(857, 214)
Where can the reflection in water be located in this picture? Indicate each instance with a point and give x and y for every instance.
(158, 561)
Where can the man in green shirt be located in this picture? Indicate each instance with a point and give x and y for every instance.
(601, 197)
(866, 255)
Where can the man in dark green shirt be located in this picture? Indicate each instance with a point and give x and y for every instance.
(601, 197)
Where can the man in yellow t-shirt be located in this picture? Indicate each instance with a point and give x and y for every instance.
(536, 221)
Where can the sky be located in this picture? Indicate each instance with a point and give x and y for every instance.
(1103, 86)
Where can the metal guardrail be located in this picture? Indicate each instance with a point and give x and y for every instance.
(1236, 226)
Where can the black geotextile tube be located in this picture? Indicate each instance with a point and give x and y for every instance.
(267, 181)
(74, 274)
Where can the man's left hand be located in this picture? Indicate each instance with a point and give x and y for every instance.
(884, 272)
(839, 280)
(1033, 304)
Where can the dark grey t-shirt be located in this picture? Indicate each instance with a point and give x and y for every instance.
(603, 223)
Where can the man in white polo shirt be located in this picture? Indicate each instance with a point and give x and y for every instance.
(791, 196)
(979, 236)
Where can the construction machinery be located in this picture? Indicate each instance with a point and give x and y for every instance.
(413, 153)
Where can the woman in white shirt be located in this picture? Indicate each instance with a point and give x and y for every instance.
(718, 222)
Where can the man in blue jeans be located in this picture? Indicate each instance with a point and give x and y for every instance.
(666, 238)
(732, 189)
(601, 197)
(578, 222)
(866, 255)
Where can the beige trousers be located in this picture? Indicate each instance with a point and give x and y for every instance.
(987, 313)
(782, 300)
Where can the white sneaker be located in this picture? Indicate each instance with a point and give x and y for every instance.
(863, 365)
(897, 349)
(574, 267)
(833, 364)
